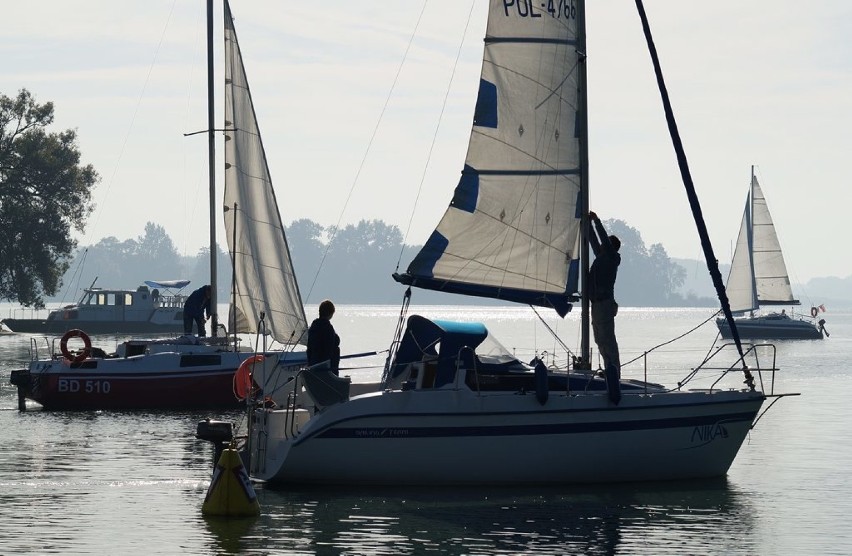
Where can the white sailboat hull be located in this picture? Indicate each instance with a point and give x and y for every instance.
(456, 436)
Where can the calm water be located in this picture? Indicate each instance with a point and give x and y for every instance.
(133, 483)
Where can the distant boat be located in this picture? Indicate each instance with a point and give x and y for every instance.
(153, 308)
(190, 372)
(758, 278)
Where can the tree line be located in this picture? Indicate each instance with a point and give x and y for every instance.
(46, 193)
(351, 264)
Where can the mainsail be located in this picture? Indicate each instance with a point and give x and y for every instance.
(512, 230)
(264, 276)
(758, 272)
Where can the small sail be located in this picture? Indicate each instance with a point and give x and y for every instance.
(512, 230)
(770, 272)
(742, 293)
(264, 277)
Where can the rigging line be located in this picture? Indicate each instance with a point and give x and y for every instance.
(133, 118)
(400, 325)
(78, 274)
(555, 336)
(369, 146)
(435, 135)
(673, 339)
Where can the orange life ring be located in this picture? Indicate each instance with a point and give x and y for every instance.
(243, 379)
(87, 343)
(814, 312)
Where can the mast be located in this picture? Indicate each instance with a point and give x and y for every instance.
(692, 196)
(750, 241)
(211, 168)
(585, 350)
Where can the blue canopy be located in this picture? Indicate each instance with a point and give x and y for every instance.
(423, 335)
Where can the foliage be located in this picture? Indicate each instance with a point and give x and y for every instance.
(353, 264)
(358, 264)
(647, 276)
(152, 256)
(44, 193)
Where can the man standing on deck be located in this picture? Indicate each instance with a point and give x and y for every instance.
(196, 310)
(601, 292)
(323, 341)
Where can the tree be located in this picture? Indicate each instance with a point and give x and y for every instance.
(366, 255)
(157, 253)
(44, 193)
(647, 276)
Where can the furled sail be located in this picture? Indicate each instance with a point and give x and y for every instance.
(264, 276)
(758, 273)
(512, 230)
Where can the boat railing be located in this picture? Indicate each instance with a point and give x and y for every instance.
(172, 301)
(757, 354)
(260, 423)
(31, 313)
(49, 347)
(257, 461)
(290, 428)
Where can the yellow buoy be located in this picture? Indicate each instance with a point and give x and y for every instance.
(230, 492)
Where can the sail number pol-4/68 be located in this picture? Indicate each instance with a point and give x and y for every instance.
(73, 385)
(560, 9)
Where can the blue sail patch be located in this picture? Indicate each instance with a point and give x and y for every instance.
(485, 114)
(467, 191)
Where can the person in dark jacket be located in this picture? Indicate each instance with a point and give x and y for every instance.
(323, 341)
(196, 310)
(601, 292)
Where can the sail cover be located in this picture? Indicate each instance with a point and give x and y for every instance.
(264, 276)
(512, 230)
(758, 274)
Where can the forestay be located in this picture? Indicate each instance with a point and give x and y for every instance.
(512, 230)
(264, 276)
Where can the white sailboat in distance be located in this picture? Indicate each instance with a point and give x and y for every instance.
(759, 278)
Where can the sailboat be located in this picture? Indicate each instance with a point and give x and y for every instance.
(759, 278)
(454, 406)
(192, 372)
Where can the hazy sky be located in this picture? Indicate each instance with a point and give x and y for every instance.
(760, 82)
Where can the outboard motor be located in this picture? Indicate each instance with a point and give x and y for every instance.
(822, 329)
(23, 380)
(220, 433)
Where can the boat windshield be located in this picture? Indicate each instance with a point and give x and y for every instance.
(492, 352)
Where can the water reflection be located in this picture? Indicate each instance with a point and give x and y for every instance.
(586, 520)
(230, 535)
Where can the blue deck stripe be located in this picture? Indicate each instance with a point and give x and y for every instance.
(527, 430)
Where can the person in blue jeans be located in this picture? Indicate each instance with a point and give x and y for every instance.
(196, 310)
